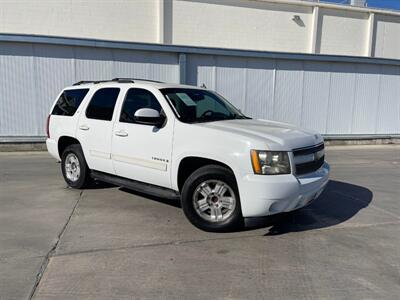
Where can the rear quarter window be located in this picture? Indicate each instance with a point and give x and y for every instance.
(68, 102)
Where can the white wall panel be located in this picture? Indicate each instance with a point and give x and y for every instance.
(111, 20)
(315, 95)
(32, 75)
(230, 79)
(241, 24)
(93, 64)
(288, 91)
(387, 37)
(365, 99)
(201, 70)
(341, 98)
(146, 65)
(164, 69)
(332, 98)
(388, 120)
(17, 90)
(343, 32)
(53, 68)
(128, 65)
(260, 80)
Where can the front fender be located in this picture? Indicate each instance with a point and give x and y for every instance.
(229, 160)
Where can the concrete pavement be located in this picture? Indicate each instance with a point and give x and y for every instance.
(110, 243)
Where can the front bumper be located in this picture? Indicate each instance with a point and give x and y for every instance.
(263, 195)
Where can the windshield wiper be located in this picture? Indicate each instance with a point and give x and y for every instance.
(219, 118)
(237, 116)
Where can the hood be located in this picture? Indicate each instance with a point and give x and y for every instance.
(277, 136)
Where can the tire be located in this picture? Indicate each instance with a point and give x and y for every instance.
(210, 199)
(74, 168)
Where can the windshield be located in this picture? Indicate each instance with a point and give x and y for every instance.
(195, 105)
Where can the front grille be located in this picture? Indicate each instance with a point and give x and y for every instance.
(309, 159)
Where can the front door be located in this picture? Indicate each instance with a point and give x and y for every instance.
(142, 152)
(95, 129)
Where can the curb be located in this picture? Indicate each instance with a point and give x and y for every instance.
(25, 147)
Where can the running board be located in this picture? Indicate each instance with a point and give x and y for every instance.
(138, 186)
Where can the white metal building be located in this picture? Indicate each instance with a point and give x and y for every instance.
(322, 66)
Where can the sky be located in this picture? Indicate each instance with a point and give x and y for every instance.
(390, 4)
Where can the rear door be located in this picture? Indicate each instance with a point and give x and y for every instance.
(64, 117)
(142, 152)
(95, 128)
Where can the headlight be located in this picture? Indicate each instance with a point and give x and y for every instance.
(270, 162)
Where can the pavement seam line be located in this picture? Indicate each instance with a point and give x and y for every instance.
(50, 253)
(172, 243)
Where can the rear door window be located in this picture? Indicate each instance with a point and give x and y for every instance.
(101, 107)
(68, 102)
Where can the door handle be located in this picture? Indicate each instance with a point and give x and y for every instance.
(84, 127)
(121, 133)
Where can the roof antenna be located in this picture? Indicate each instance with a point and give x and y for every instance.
(203, 86)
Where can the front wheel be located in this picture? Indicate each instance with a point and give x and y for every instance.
(210, 199)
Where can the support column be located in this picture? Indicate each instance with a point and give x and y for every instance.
(165, 21)
(314, 30)
(371, 36)
(182, 68)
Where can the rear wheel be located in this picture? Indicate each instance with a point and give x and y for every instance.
(74, 168)
(210, 199)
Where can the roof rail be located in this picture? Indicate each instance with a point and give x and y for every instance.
(123, 80)
(120, 80)
(89, 81)
(133, 80)
(81, 82)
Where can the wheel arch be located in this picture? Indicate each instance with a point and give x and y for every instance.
(189, 164)
(65, 141)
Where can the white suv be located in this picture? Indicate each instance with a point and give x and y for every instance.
(173, 141)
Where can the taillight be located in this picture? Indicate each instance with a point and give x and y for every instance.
(48, 126)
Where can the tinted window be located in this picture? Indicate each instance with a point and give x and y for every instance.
(198, 105)
(137, 99)
(102, 105)
(69, 102)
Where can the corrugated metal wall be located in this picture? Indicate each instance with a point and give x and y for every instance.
(333, 98)
(31, 76)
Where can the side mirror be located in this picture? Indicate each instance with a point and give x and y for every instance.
(149, 116)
